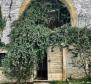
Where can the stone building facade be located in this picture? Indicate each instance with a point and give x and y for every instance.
(80, 15)
(12, 9)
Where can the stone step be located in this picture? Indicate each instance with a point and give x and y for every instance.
(41, 82)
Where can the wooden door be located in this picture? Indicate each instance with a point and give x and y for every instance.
(55, 64)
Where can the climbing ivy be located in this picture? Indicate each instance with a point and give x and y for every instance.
(28, 45)
(50, 13)
(2, 24)
(30, 38)
(2, 21)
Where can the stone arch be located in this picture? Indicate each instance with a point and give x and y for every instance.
(72, 10)
(70, 5)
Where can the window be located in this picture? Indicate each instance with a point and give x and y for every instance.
(51, 13)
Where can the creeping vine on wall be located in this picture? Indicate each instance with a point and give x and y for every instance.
(2, 24)
(30, 38)
(2, 21)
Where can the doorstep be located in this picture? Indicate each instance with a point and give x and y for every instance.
(41, 82)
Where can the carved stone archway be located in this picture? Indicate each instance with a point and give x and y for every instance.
(68, 3)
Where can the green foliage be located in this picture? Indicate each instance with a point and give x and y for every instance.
(47, 12)
(2, 21)
(78, 42)
(27, 48)
(81, 81)
(30, 38)
(57, 82)
(29, 43)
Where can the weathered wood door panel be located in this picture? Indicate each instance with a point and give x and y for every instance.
(55, 64)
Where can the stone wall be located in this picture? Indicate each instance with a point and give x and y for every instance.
(84, 12)
(73, 67)
(10, 11)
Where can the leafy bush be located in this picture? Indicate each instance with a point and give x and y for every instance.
(29, 42)
(27, 47)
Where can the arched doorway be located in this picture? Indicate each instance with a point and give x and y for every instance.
(57, 10)
(68, 3)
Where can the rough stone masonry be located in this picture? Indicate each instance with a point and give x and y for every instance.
(10, 12)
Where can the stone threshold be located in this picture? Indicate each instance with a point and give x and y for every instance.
(41, 82)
